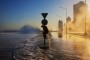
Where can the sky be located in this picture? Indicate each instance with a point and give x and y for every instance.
(16, 13)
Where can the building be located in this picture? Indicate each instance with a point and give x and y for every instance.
(68, 19)
(60, 28)
(79, 11)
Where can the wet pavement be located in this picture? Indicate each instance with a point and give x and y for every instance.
(70, 47)
(75, 47)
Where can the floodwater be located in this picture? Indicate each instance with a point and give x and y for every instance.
(8, 42)
(70, 47)
(76, 47)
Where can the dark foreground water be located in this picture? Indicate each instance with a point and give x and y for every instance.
(8, 42)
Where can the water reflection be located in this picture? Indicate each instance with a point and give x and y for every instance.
(76, 45)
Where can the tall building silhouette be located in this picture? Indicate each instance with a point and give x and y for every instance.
(60, 28)
(79, 11)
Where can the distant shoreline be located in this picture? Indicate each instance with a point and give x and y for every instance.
(8, 31)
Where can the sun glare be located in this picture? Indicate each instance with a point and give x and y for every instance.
(88, 2)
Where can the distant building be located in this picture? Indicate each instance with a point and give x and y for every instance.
(79, 11)
(68, 19)
(60, 28)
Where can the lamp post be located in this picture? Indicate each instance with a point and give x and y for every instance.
(85, 19)
(66, 18)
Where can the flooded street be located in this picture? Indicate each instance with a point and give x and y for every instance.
(74, 47)
(70, 47)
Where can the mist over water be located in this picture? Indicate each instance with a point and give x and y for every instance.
(27, 29)
(9, 41)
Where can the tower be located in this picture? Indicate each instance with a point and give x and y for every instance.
(60, 28)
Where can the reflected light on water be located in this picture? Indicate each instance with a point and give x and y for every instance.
(54, 34)
(76, 44)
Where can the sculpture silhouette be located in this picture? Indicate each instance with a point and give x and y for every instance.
(45, 31)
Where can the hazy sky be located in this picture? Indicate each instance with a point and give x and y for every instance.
(16, 13)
